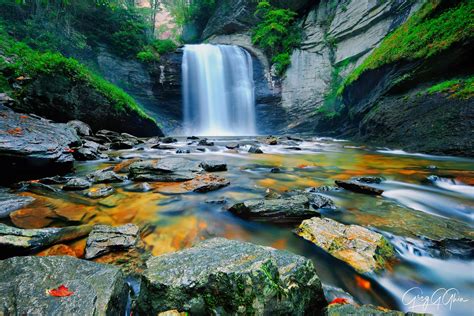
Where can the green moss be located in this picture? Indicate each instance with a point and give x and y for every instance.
(4, 86)
(148, 57)
(30, 63)
(423, 35)
(164, 46)
(459, 88)
(384, 252)
(276, 33)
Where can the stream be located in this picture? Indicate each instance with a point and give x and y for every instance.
(421, 194)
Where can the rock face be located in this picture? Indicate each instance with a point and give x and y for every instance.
(365, 250)
(281, 210)
(22, 240)
(97, 289)
(30, 146)
(231, 277)
(104, 239)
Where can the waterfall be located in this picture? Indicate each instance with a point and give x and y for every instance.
(219, 96)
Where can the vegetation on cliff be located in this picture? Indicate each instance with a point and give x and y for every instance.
(26, 62)
(276, 34)
(431, 30)
(458, 88)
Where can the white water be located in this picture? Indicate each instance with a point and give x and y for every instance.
(219, 96)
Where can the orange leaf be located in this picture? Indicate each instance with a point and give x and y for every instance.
(363, 283)
(68, 150)
(61, 291)
(339, 300)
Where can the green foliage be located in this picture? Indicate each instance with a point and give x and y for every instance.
(31, 63)
(147, 57)
(75, 27)
(427, 33)
(185, 12)
(164, 46)
(459, 88)
(276, 34)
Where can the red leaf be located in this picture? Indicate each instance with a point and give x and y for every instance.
(68, 150)
(61, 291)
(339, 300)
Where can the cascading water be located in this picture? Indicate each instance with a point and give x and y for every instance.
(219, 96)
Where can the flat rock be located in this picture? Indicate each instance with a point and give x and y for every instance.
(105, 176)
(206, 183)
(139, 187)
(104, 239)
(232, 146)
(213, 165)
(226, 277)
(320, 201)
(163, 147)
(366, 251)
(172, 169)
(32, 147)
(292, 209)
(85, 154)
(98, 289)
(77, 184)
(16, 239)
(358, 187)
(368, 179)
(12, 202)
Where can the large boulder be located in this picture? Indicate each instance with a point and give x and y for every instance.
(293, 209)
(33, 147)
(366, 251)
(227, 277)
(25, 281)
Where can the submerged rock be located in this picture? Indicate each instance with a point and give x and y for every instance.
(227, 277)
(282, 210)
(12, 202)
(16, 239)
(206, 183)
(100, 192)
(139, 187)
(358, 187)
(104, 239)
(368, 179)
(366, 251)
(97, 289)
(172, 169)
(213, 165)
(77, 184)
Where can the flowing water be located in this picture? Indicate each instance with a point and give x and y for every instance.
(218, 91)
(411, 206)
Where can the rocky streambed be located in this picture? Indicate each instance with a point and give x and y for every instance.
(243, 225)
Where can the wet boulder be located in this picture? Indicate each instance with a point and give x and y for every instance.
(104, 239)
(255, 150)
(227, 277)
(292, 209)
(232, 146)
(183, 151)
(172, 169)
(139, 187)
(122, 144)
(12, 202)
(319, 201)
(213, 165)
(81, 128)
(358, 187)
(368, 179)
(16, 239)
(366, 251)
(31, 147)
(106, 175)
(97, 289)
(206, 183)
(77, 184)
(205, 142)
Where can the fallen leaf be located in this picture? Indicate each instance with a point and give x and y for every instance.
(68, 150)
(61, 291)
(339, 300)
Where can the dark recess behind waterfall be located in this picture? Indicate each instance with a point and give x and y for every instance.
(162, 96)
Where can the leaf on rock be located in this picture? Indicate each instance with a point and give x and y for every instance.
(61, 291)
(339, 300)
